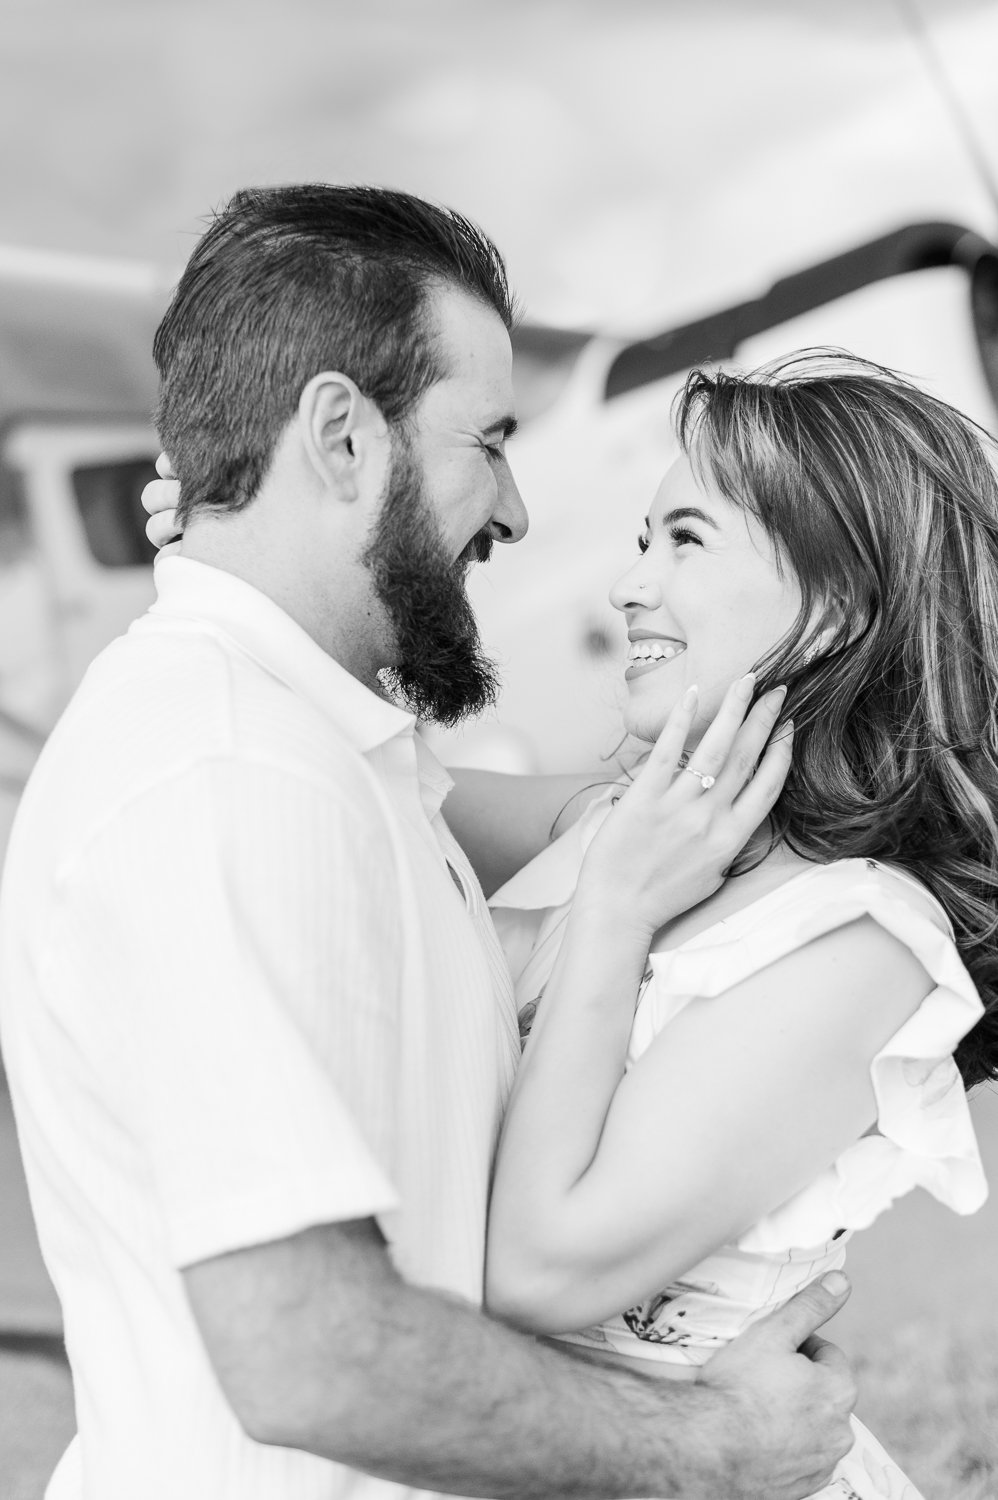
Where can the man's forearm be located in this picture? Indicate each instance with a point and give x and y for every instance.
(460, 1404)
(417, 1388)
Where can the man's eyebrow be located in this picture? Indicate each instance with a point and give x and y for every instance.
(689, 513)
(506, 425)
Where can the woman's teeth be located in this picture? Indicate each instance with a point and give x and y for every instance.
(654, 650)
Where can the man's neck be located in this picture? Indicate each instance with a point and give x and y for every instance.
(327, 608)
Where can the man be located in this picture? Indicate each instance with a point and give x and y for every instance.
(258, 1027)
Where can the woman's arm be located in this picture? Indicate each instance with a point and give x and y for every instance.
(610, 1186)
(502, 822)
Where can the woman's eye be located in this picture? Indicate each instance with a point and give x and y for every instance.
(643, 542)
(680, 535)
(493, 452)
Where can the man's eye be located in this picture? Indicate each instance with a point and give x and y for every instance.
(493, 451)
(643, 542)
(680, 535)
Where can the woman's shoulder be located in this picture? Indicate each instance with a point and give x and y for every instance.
(822, 895)
(844, 902)
(891, 881)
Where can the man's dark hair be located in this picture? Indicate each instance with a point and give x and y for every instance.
(290, 281)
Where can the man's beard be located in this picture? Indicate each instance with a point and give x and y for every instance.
(440, 671)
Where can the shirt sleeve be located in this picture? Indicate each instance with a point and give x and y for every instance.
(232, 943)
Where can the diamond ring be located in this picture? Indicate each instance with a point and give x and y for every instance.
(705, 781)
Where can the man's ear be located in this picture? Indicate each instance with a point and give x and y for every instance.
(344, 436)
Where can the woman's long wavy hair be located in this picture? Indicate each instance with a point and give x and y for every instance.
(883, 502)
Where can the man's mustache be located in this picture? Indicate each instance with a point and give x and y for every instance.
(479, 549)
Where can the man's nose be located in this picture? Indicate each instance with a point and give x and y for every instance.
(509, 520)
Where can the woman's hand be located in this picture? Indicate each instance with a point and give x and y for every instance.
(667, 844)
(161, 497)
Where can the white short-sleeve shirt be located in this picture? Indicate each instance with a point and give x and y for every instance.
(248, 983)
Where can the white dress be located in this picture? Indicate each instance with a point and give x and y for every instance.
(925, 1138)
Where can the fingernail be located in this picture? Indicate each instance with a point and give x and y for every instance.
(745, 687)
(690, 696)
(835, 1282)
(776, 695)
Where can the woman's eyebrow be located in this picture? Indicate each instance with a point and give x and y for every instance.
(689, 513)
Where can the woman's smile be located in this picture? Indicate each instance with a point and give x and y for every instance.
(648, 651)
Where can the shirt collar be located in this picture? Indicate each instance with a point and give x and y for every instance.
(191, 590)
(434, 781)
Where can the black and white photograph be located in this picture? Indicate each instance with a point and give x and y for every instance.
(498, 750)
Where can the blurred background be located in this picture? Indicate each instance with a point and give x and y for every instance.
(670, 183)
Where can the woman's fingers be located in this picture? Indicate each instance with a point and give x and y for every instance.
(757, 800)
(161, 498)
(164, 468)
(161, 529)
(711, 755)
(160, 495)
(668, 747)
(749, 744)
(728, 750)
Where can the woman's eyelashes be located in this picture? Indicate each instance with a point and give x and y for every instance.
(679, 536)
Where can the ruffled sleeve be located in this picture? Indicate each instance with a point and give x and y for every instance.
(926, 1137)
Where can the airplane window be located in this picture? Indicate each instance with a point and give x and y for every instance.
(109, 498)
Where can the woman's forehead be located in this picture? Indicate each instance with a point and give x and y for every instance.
(684, 487)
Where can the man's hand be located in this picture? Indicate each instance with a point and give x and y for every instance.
(161, 497)
(320, 1345)
(789, 1411)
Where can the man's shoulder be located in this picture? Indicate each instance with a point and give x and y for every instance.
(178, 692)
(156, 706)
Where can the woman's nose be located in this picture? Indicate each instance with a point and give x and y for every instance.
(634, 591)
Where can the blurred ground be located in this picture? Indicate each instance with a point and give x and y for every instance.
(36, 1422)
(922, 1326)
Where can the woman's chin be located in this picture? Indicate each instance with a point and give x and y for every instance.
(644, 726)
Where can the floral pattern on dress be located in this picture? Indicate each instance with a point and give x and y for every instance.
(645, 1321)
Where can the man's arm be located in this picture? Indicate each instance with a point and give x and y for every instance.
(320, 1345)
(502, 821)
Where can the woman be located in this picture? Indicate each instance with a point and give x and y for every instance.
(710, 1105)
